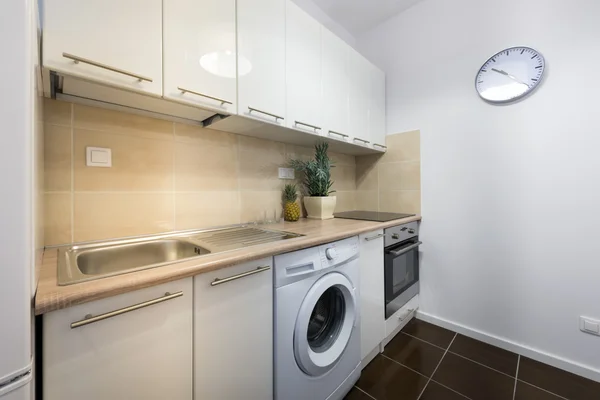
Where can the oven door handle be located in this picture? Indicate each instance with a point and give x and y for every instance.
(405, 249)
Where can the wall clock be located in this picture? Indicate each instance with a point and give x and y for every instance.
(510, 75)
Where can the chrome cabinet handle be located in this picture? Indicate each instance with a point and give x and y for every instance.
(361, 140)
(203, 95)
(374, 237)
(89, 319)
(266, 113)
(410, 311)
(337, 133)
(309, 125)
(219, 281)
(380, 145)
(78, 59)
(406, 249)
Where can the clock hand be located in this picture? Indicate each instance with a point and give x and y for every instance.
(502, 72)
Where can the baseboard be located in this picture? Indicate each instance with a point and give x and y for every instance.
(546, 358)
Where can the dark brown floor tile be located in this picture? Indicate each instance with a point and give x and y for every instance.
(473, 380)
(430, 333)
(356, 394)
(414, 353)
(557, 381)
(438, 392)
(492, 356)
(385, 379)
(528, 392)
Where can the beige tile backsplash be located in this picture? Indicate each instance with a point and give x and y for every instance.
(391, 182)
(165, 176)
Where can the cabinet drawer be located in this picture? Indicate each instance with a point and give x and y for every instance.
(396, 322)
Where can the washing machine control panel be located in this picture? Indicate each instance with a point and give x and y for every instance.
(338, 252)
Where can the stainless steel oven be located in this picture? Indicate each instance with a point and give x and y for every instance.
(401, 266)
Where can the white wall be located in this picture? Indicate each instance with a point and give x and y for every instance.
(317, 13)
(510, 194)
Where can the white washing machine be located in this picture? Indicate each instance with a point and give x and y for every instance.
(317, 322)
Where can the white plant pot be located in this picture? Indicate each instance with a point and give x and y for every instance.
(320, 207)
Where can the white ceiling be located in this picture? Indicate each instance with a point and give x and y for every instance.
(358, 16)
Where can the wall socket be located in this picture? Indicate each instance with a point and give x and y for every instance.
(286, 173)
(589, 325)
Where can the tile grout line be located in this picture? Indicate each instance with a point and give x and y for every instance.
(516, 377)
(417, 372)
(425, 341)
(365, 392)
(542, 389)
(483, 365)
(436, 368)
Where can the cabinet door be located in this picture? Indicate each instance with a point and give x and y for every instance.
(303, 70)
(261, 59)
(199, 53)
(372, 295)
(377, 108)
(233, 343)
(142, 354)
(360, 95)
(335, 80)
(115, 42)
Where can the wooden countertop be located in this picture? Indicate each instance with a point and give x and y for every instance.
(51, 297)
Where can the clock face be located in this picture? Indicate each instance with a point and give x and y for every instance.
(510, 74)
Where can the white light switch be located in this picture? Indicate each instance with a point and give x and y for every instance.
(589, 325)
(286, 173)
(98, 157)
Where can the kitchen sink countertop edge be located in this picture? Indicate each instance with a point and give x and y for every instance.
(50, 296)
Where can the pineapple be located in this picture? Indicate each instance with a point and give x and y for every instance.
(291, 209)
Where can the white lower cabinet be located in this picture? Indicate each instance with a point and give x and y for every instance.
(136, 345)
(400, 318)
(372, 296)
(233, 343)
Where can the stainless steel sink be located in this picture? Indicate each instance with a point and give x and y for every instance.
(81, 263)
(99, 260)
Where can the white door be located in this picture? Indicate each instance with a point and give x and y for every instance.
(324, 325)
(303, 70)
(142, 354)
(233, 343)
(377, 108)
(261, 59)
(372, 294)
(336, 84)
(115, 42)
(360, 88)
(200, 53)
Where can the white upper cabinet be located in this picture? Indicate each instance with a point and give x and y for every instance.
(115, 42)
(200, 53)
(360, 97)
(335, 84)
(261, 59)
(303, 70)
(377, 108)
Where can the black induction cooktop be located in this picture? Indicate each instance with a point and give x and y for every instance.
(371, 215)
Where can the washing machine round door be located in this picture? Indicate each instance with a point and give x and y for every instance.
(324, 324)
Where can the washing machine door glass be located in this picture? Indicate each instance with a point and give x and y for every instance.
(324, 324)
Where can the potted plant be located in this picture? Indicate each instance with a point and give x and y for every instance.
(317, 183)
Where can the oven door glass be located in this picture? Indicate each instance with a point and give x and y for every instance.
(401, 270)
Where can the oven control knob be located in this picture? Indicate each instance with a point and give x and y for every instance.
(395, 236)
(330, 253)
(411, 231)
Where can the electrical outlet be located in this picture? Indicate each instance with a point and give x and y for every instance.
(589, 325)
(286, 173)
